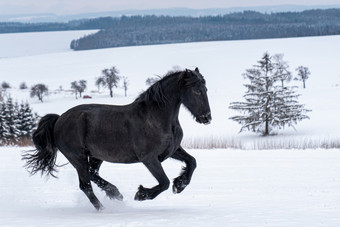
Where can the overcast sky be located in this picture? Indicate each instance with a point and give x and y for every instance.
(85, 6)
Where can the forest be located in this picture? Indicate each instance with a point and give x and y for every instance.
(148, 30)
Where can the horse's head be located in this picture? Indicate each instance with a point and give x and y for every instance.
(194, 95)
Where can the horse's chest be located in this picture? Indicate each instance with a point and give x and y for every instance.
(172, 141)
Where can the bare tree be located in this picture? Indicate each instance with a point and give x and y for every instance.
(109, 79)
(281, 68)
(5, 85)
(23, 86)
(126, 83)
(39, 90)
(151, 80)
(74, 86)
(303, 74)
(79, 86)
(82, 84)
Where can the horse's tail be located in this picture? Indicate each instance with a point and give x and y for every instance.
(43, 158)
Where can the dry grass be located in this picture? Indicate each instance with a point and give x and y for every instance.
(242, 143)
(262, 143)
(20, 142)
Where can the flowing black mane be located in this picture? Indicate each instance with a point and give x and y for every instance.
(155, 93)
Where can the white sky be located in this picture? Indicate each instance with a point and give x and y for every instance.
(85, 6)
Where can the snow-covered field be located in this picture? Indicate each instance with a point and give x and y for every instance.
(222, 64)
(230, 187)
(37, 43)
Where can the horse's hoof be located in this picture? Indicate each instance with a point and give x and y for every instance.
(139, 197)
(99, 207)
(141, 194)
(119, 197)
(178, 185)
(113, 193)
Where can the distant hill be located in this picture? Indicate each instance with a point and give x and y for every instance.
(39, 18)
(149, 30)
(152, 29)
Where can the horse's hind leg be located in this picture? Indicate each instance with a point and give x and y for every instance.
(85, 186)
(111, 191)
(155, 167)
(184, 179)
(81, 164)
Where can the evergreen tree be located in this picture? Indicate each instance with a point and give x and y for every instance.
(16, 121)
(11, 118)
(266, 104)
(4, 130)
(27, 121)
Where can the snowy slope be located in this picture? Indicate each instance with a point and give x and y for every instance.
(35, 43)
(222, 64)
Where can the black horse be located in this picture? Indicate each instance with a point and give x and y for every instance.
(146, 131)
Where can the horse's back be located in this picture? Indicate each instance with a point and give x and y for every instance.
(104, 131)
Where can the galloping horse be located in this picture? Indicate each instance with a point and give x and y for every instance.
(147, 131)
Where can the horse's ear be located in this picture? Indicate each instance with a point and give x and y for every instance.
(183, 77)
(196, 70)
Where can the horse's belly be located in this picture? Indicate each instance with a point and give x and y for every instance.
(114, 155)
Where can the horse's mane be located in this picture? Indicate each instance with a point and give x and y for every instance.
(155, 93)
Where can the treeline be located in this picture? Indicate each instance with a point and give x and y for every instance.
(148, 30)
(17, 122)
(84, 24)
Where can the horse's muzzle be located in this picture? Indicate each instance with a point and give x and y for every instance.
(204, 119)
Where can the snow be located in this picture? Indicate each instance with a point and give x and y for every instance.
(230, 187)
(221, 63)
(36, 43)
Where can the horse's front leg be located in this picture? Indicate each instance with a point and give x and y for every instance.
(155, 167)
(184, 179)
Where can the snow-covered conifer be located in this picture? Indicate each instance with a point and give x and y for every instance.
(11, 118)
(267, 105)
(26, 122)
(3, 124)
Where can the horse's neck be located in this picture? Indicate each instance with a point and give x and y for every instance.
(173, 103)
(168, 111)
